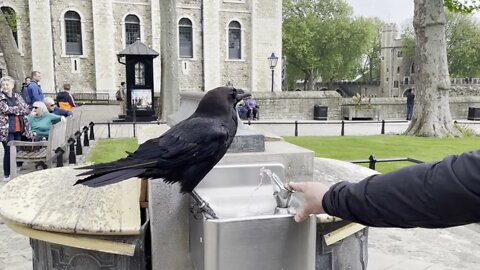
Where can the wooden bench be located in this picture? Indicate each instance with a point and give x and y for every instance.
(38, 151)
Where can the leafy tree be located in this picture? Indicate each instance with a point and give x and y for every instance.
(370, 69)
(432, 112)
(463, 45)
(321, 39)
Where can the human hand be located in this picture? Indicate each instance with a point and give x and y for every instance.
(313, 195)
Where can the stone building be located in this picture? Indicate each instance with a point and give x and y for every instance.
(77, 41)
(396, 72)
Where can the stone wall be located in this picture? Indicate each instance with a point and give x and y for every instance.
(299, 105)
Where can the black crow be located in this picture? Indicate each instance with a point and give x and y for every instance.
(185, 153)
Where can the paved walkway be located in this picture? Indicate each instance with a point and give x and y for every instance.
(392, 249)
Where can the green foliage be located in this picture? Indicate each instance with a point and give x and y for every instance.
(462, 33)
(463, 45)
(361, 147)
(370, 69)
(107, 150)
(321, 38)
(466, 131)
(462, 6)
(11, 18)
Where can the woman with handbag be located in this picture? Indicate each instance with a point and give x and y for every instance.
(13, 120)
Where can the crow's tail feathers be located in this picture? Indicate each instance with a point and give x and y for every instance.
(99, 180)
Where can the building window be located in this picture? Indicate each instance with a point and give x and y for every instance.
(405, 80)
(73, 33)
(398, 70)
(185, 38)
(412, 69)
(132, 29)
(234, 40)
(395, 84)
(139, 73)
(11, 17)
(399, 54)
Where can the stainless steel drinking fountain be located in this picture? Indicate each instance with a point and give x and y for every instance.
(254, 226)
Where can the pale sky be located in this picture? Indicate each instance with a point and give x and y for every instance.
(395, 11)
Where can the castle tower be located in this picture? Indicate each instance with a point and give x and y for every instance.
(388, 59)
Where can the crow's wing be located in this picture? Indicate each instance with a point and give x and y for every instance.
(190, 142)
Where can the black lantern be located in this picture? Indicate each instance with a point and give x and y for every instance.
(272, 61)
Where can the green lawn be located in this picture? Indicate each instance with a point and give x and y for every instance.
(107, 150)
(361, 147)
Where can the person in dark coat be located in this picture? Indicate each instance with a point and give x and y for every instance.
(435, 195)
(65, 99)
(410, 103)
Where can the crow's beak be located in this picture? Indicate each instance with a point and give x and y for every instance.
(242, 94)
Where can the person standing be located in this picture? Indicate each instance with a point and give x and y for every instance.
(65, 99)
(120, 97)
(410, 103)
(252, 108)
(34, 90)
(13, 120)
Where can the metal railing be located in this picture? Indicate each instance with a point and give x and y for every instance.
(372, 161)
(297, 123)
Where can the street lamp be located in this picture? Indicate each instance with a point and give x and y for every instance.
(272, 61)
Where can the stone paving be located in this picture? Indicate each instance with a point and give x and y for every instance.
(389, 249)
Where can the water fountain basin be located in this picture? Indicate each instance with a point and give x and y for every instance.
(250, 231)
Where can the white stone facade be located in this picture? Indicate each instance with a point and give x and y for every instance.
(397, 74)
(41, 34)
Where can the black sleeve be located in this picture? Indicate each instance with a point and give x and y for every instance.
(436, 195)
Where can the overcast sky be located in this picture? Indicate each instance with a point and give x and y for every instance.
(395, 11)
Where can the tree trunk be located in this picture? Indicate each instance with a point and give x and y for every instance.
(169, 50)
(310, 81)
(432, 116)
(11, 54)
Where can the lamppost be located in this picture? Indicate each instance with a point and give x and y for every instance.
(272, 61)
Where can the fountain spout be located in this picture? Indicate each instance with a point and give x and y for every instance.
(281, 192)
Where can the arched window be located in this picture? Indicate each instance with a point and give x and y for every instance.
(412, 69)
(11, 17)
(185, 38)
(234, 40)
(73, 33)
(139, 73)
(132, 29)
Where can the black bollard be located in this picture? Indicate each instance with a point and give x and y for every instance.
(372, 162)
(108, 128)
(72, 159)
(342, 132)
(79, 149)
(296, 128)
(134, 129)
(92, 134)
(383, 127)
(86, 142)
(59, 152)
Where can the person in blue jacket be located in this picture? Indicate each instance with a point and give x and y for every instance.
(435, 195)
(34, 91)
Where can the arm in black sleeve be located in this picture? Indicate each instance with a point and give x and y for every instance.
(436, 195)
